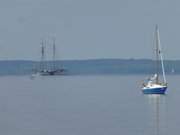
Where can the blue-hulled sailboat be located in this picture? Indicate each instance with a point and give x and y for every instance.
(153, 85)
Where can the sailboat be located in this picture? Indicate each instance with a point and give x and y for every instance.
(153, 85)
(55, 70)
(43, 64)
(45, 70)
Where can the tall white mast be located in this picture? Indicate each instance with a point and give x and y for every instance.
(160, 53)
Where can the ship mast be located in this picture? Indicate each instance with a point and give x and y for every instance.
(159, 56)
(54, 54)
(157, 53)
(42, 56)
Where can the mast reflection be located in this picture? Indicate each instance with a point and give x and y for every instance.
(157, 104)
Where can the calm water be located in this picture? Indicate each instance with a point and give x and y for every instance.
(86, 105)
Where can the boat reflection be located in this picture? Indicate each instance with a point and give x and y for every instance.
(157, 104)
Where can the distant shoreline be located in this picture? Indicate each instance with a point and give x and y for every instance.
(91, 66)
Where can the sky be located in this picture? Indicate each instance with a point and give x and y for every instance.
(88, 29)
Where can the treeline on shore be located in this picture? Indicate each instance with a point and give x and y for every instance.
(87, 67)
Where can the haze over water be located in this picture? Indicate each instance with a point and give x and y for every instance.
(86, 105)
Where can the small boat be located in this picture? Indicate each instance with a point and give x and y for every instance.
(153, 85)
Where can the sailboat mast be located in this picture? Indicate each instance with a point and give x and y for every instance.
(161, 55)
(42, 56)
(157, 53)
(54, 54)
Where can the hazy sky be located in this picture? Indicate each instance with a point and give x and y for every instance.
(87, 29)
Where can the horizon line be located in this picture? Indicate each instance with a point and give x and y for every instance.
(89, 59)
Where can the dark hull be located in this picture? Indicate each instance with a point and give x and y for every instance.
(53, 72)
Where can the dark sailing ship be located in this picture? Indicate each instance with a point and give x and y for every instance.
(49, 68)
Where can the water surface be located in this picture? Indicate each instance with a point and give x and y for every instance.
(86, 105)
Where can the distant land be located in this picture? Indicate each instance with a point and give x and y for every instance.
(91, 67)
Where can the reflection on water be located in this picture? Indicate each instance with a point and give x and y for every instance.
(157, 110)
(86, 105)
